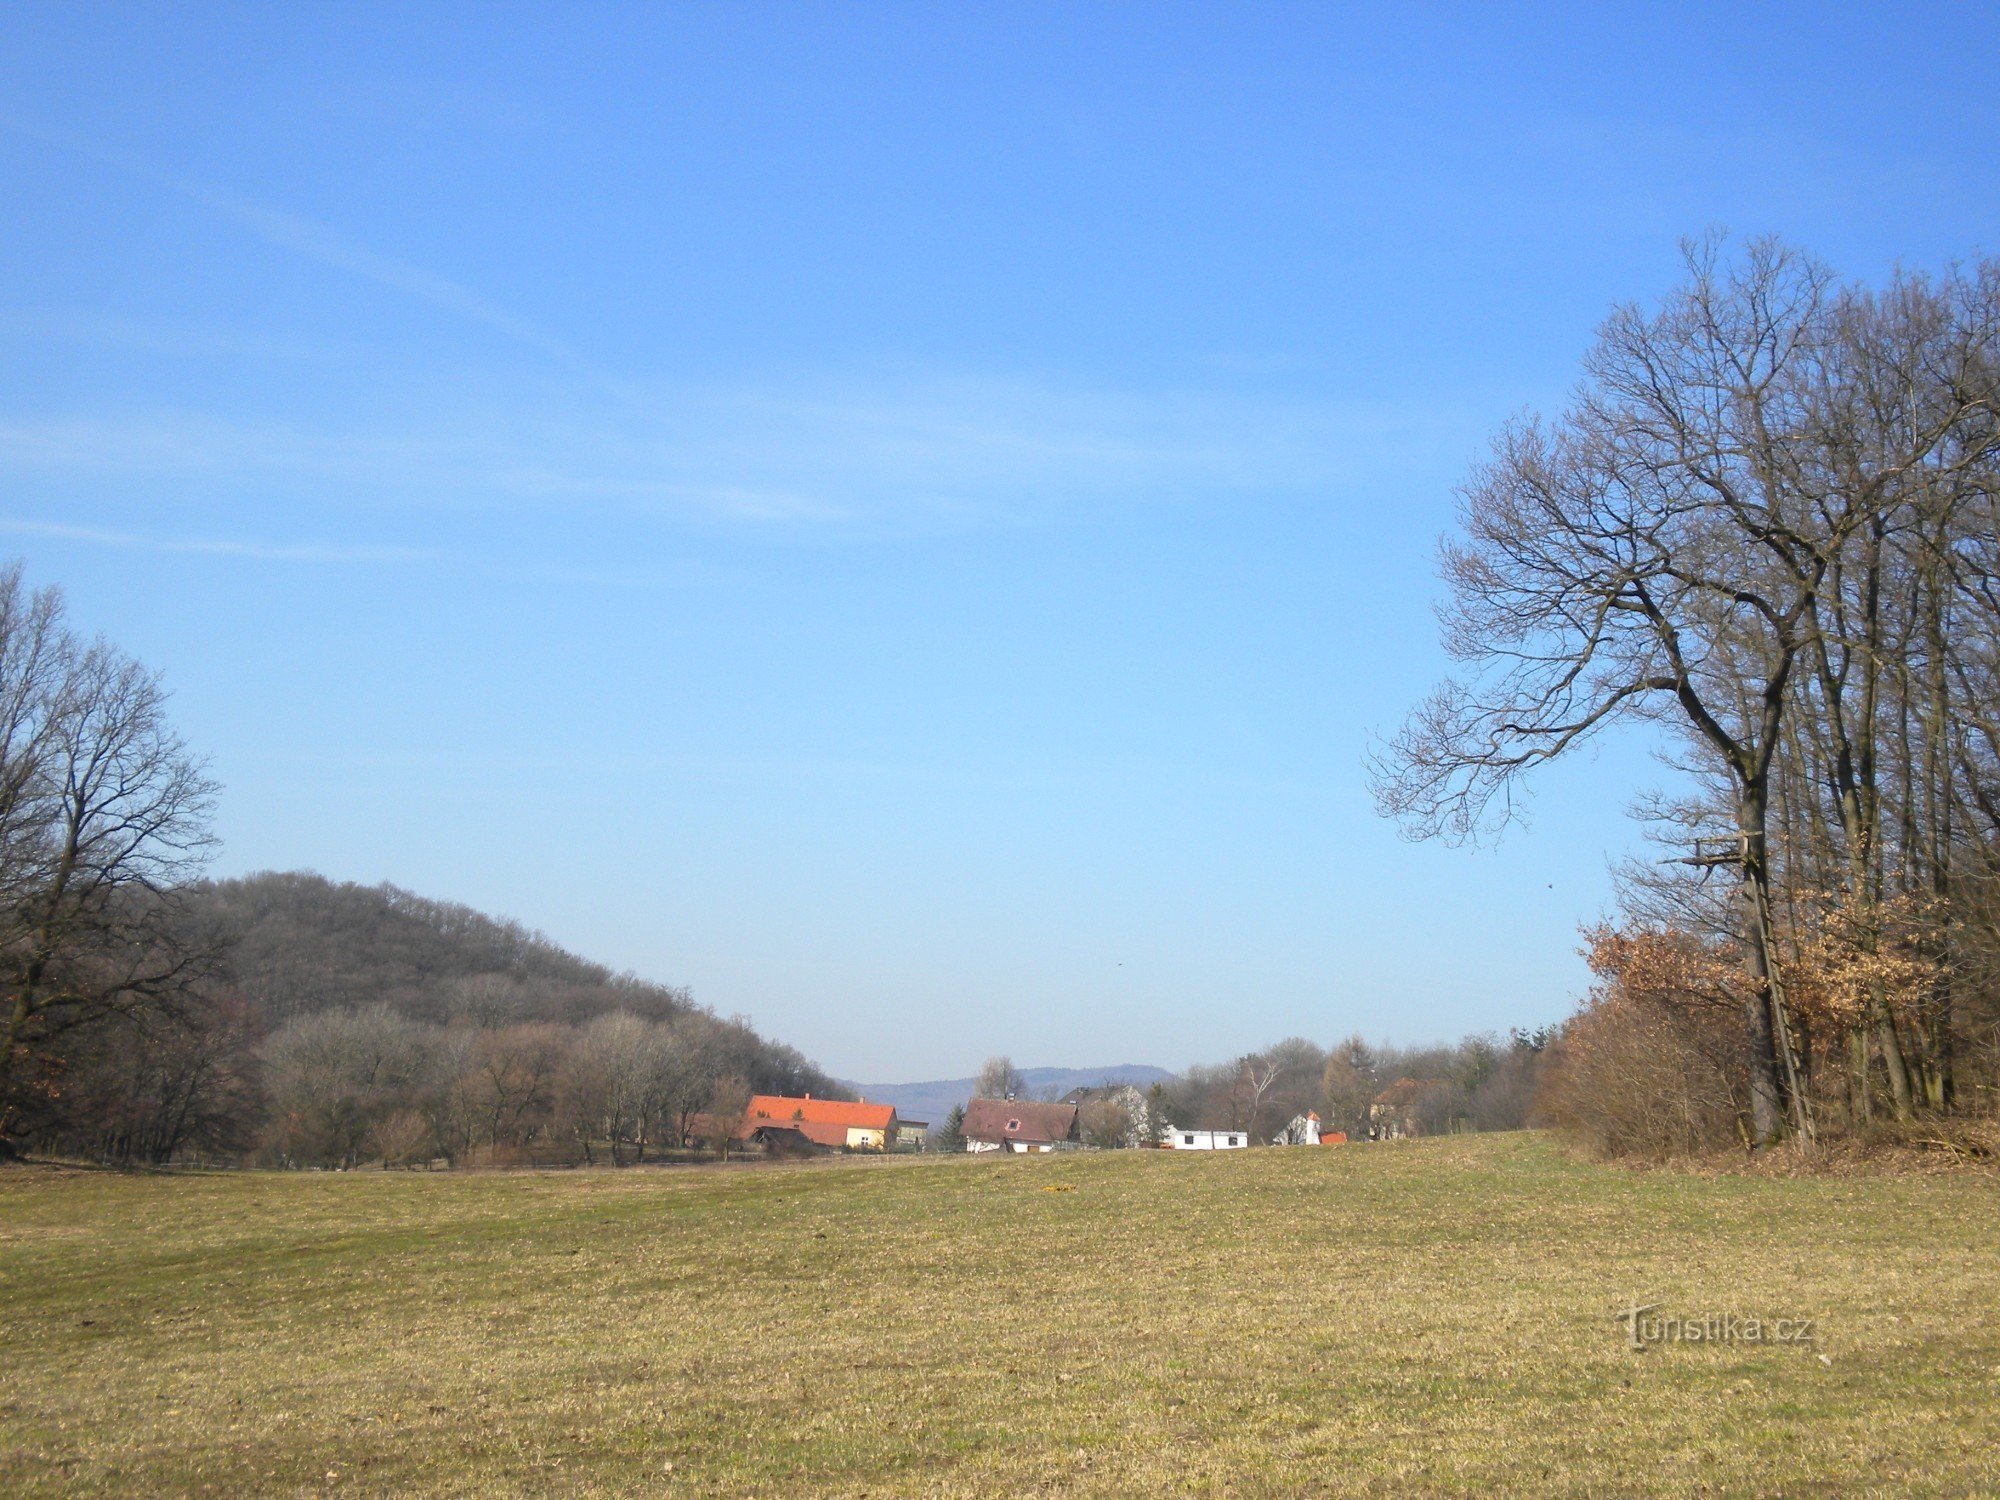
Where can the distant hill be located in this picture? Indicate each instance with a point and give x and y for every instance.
(299, 944)
(931, 1102)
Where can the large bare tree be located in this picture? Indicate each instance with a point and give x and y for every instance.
(999, 1079)
(104, 814)
(1666, 549)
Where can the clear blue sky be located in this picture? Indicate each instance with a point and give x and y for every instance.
(900, 517)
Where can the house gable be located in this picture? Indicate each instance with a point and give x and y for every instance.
(1019, 1123)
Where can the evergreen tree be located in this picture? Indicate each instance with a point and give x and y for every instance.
(951, 1135)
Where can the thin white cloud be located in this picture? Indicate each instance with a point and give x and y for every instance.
(319, 242)
(184, 444)
(309, 552)
(948, 451)
(675, 574)
(945, 452)
(150, 336)
(940, 450)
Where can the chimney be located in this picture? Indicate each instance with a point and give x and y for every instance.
(808, 1094)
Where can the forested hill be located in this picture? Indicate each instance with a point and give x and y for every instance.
(301, 944)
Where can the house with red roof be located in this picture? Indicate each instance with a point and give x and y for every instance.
(806, 1124)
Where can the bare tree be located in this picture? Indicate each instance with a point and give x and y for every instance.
(726, 1103)
(1296, 1089)
(447, 1093)
(162, 1085)
(1664, 551)
(1348, 1084)
(1108, 1124)
(999, 1079)
(1258, 1076)
(381, 1020)
(608, 1081)
(516, 1074)
(104, 814)
(335, 1077)
(685, 1068)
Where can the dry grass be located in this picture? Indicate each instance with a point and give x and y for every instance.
(1431, 1317)
(1918, 1148)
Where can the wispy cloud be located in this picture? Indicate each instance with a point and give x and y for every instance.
(671, 573)
(940, 452)
(897, 448)
(901, 448)
(311, 552)
(154, 336)
(191, 444)
(319, 242)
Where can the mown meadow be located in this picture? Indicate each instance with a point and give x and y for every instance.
(1426, 1317)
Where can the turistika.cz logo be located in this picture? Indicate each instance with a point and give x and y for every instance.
(1646, 1326)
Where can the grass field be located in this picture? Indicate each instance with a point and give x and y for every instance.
(1424, 1317)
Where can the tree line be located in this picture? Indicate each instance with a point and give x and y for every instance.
(1477, 1083)
(371, 1084)
(1767, 524)
(150, 1016)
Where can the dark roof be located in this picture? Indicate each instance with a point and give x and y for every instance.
(792, 1135)
(1019, 1120)
(817, 1131)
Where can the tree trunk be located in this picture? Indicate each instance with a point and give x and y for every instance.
(1762, 1010)
(1892, 1054)
(1859, 1108)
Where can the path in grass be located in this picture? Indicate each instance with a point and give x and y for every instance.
(1433, 1316)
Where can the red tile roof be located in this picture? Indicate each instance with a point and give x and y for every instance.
(824, 1122)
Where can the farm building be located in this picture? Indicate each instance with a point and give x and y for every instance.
(1018, 1125)
(1302, 1131)
(828, 1124)
(1206, 1140)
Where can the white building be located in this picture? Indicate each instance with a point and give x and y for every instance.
(1303, 1131)
(1206, 1140)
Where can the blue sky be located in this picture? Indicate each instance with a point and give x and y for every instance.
(901, 517)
